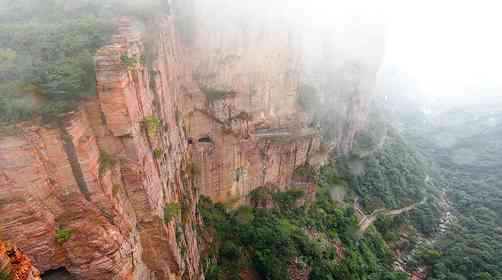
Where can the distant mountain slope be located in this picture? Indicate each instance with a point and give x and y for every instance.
(465, 143)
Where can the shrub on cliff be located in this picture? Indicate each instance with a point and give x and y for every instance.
(5, 273)
(171, 210)
(152, 124)
(157, 153)
(63, 235)
(260, 195)
(130, 62)
(106, 161)
(244, 214)
(305, 171)
(286, 200)
(230, 250)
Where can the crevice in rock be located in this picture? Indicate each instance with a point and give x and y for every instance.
(76, 168)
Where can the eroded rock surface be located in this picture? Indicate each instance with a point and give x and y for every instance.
(95, 178)
(213, 113)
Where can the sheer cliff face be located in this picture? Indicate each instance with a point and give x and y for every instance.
(255, 135)
(87, 194)
(258, 61)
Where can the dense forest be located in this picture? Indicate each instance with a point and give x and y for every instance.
(393, 175)
(320, 239)
(459, 179)
(466, 145)
(463, 142)
(324, 237)
(47, 62)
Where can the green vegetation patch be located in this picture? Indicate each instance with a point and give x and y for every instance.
(157, 153)
(260, 194)
(286, 200)
(244, 214)
(63, 235)
(305, 171)
(270, 240)
(171, 210)
(152, 125)
(5, 274)
(106, 161)
(47, 60)
(129, 62)
(47, 49)
(393, 176)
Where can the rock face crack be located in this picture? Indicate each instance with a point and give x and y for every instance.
(76, 168)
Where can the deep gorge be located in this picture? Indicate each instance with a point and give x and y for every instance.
(197, 139)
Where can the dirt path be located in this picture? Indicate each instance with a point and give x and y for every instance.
(366, 220)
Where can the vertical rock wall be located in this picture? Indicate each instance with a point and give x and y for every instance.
(87, 194)
(255, 135)
(102, 176)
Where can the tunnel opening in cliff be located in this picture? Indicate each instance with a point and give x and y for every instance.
(57, 274)
(205, 139)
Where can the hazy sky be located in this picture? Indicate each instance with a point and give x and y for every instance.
(449, 46)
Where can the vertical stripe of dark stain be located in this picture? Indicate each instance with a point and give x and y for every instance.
(71, 152)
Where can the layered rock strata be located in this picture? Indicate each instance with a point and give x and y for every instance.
(185, 108)
(88, 193)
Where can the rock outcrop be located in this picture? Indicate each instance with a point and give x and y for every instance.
(15, 263)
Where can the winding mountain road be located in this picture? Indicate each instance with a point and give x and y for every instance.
(366, 220)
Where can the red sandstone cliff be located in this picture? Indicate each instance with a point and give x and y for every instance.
(256, 135)
(87, 195)
(94, 176)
